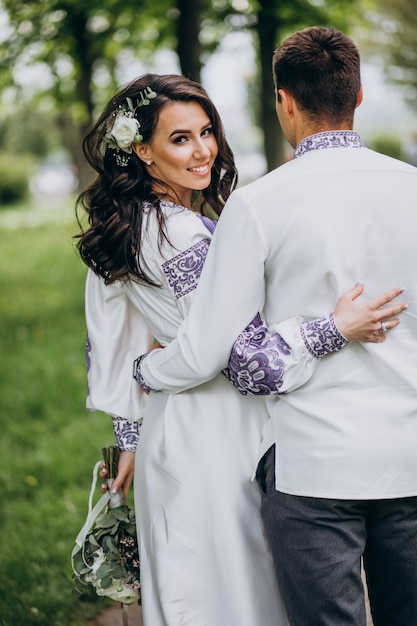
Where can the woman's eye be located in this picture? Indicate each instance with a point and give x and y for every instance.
(180, 139)
(207, 131)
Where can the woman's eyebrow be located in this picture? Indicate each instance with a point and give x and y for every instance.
(179, 131)
(187, 132)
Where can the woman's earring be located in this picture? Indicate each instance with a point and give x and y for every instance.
(148, 162)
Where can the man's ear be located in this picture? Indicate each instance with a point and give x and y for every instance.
(287, 102)
(143, 151)
(360, 97)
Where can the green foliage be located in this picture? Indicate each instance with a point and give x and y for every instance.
(14, 179)
(84, 46)
(389, 145)
(79, 48)
(393, 38)
(28, 130)
(77, 43)
(49, 443)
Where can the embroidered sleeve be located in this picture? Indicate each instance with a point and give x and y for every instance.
(256, 366)
(322, 336)
(126, 433)
(137, 374)
(262, 362)
(182, 273)
(183, 270)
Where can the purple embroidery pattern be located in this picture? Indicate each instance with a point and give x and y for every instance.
(87, 358)
(257, 363)
(255, 367)
(329, 139)
(184, 270)
(126, 433)
(322, 336)
(137, 374)
(87, 352)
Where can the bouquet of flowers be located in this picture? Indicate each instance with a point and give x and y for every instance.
(105, 558)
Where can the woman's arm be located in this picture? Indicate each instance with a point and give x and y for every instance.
(114, 329)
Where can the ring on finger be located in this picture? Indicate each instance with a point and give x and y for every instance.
(384, 328)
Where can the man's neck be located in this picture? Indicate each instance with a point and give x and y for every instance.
(308, 129)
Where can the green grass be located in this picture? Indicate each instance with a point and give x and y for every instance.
(49, 442)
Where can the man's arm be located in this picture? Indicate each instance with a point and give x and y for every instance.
(229, 295)
(231, 291)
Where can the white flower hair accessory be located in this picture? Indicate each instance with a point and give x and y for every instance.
(125, 128)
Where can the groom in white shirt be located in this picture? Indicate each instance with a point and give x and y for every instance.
(339, 466)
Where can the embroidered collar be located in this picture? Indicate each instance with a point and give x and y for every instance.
(163, 203)
(329, 139)
(169, 204)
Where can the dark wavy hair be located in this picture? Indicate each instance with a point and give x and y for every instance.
(320, 68)
(114, 202)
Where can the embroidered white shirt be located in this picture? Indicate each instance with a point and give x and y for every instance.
(292, 242)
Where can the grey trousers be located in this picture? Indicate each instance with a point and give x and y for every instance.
(318, 545)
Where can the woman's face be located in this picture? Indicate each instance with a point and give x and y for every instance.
(183, 149)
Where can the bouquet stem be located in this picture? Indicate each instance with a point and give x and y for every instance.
(111, 455)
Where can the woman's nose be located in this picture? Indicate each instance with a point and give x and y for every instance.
(201, 148)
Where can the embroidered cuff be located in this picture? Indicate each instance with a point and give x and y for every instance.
(255, 364)
(126, 433)
(322, 336)
(137, 374)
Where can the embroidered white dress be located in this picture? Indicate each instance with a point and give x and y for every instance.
(204, 556)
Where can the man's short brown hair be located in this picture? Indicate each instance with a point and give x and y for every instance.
(320, 68)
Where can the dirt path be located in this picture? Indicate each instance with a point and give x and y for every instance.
(114, 617)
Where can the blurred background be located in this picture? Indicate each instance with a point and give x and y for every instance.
(60, 61)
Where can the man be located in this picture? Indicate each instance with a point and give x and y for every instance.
(339, 473)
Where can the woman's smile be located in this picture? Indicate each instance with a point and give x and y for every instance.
(200, 169)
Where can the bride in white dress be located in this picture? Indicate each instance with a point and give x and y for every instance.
(204, 556)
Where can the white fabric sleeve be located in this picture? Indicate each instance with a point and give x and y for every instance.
(115, 329)
(231, 292)
(283, 357)
(229, 295)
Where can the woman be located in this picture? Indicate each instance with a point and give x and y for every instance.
(204, 556)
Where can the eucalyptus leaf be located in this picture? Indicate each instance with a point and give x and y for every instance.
(80, 567)
(131, 530)
(121, 513)
(103, 570)
(93, 541)
(109, 545)
(100, 533)
(105, 583)
(117, 572)
(105, 521)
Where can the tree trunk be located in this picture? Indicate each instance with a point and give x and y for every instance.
(267, 29)
(72, 139)
(189, 48)
(73, 132)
